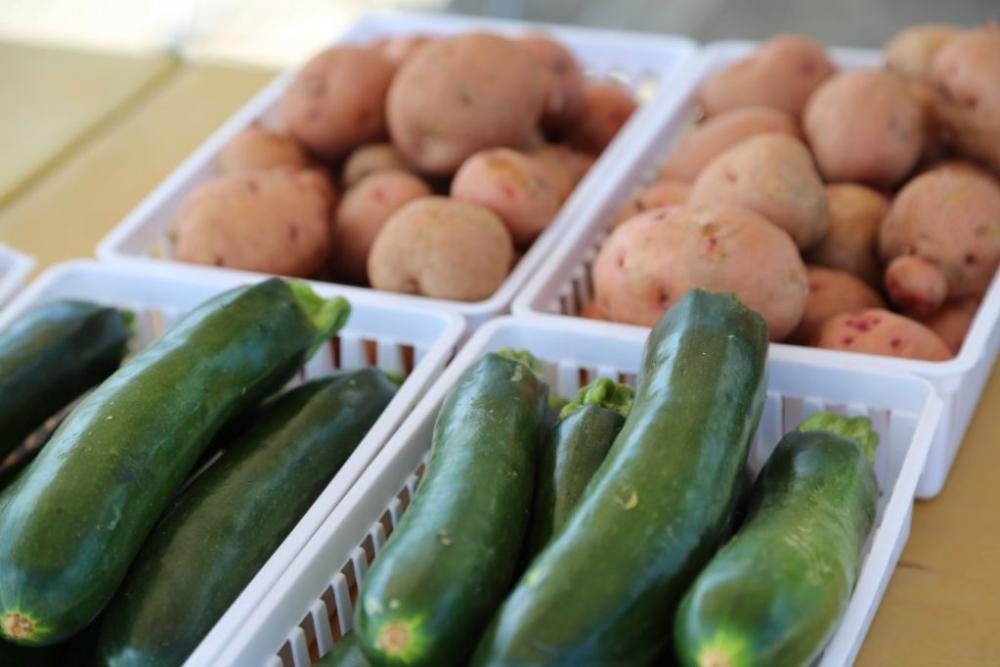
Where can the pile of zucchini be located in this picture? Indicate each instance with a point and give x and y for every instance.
(110, 545)
(608, 537)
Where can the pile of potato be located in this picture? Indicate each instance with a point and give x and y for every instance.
(825, 198)
(416, 164)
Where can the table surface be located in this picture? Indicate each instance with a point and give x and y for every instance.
(941, 607)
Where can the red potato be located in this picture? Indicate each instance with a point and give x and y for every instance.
(257, 148)
(965, 75)
(574, 165)
(831, 292)
(336, 102)
(657, 195)
(442, 248)
(915, 286)
(865, 126)
(773, 175)
(362, 213)
(717, 134)
(878, 331)
(565, 102)
(851, 241)
(911, 51)
(962, 167)
(367, 160)
(526, 193)
(951, 219)
(952, 321)
(607, 106)
(398, 50)
(453, 98)
(650, 261)
(782, 74)
(591, 312)
(273, 221)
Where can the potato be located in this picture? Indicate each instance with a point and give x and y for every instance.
(952, 321)
(591, 312)
(831, 292)
(773, 175)
(526, 193)
(574, 165)
(257, 148)
(851, 241)
(565, 98)
(911, 51)
(878, 331)
(369, 159)
(964, 75)
(336, 101)
(962, 167)
(650, 261)
(915, 286)
(460, 95)
(273, 221)
(865, 126)
(782, 74)
(398, 50)
(951, 219)
(656, 195)
(715, 135)
(607, 106)
(361, 215)
(442, 248)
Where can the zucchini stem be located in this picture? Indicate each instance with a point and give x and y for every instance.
(17, 626)
(604, 393)
(858, 429)
(525, 358)
(328, 315)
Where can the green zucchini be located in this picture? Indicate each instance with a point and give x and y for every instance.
(49, 357)
(235, 515)
(453, 556)
(77, 516)
(774, 594)
(655, 510)
(574, 450)
(346, 653)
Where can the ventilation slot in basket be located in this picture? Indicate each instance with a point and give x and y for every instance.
(331, 615)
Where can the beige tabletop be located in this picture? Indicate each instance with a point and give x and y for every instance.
(942, 607)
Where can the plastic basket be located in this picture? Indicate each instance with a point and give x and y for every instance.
(395, 338)
(312, 605)
(14, 270)
(564, 285)
(644, 63)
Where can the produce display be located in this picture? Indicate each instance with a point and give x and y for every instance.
(49, 358)
(366, 130)
(108, 539)
(885, 181)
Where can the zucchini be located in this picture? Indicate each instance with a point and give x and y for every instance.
(774, 594)
(78, 515)
(445, 570)
(346, 653)
(655, 510)
(49, 357)
(234, 516)
(574, 450)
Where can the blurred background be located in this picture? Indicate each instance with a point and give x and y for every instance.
(281, 32)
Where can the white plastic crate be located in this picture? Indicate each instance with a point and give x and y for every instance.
(313, 602)
(398, 338)
(645, 63)
(564, 284)
(14, 270)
